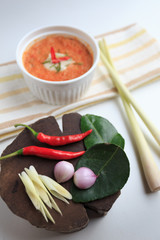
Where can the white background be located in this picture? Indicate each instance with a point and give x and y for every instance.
(136, 213)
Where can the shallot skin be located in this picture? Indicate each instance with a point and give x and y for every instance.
(63, 171)
(84, 178)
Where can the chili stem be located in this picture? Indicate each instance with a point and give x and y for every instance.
(31, 129)
(18, 152)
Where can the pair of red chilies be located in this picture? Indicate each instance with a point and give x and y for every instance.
(53, 141)
(57, 60)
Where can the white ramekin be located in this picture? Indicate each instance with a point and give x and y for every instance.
(63, 92)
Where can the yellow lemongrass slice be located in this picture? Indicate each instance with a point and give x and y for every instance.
(41, 189)
(53, 186)
(32, 194)
(32, 173)
(39, 186)
(43, 195)
(30, 189)
(57, 195)
(46, 213)
(43, 213)
(54, 204)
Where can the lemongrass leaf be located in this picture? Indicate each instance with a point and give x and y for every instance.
(78, 63)
(58, 67)
(47, 61)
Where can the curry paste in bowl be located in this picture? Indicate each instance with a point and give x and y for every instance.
(58, 63)
(57, 58)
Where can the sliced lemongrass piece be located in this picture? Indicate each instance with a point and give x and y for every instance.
(32, 194)
(32, 173)
(30, 189)
(54, 186)
(36, 178)
(43, 195)
(46, 213)
(54, 204)
(120, 85)
(39, 186)
(57, 195)
(41, 189)
(43, 213)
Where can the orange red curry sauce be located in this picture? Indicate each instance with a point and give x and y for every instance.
(36, 54)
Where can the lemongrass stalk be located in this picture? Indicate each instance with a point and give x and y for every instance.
(150, 168)
(104, 48)
(120, 85)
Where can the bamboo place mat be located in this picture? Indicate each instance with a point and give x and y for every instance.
(136, 56)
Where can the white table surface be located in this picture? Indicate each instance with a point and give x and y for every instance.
(136, 213)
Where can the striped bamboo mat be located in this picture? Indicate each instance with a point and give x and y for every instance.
(136, 56)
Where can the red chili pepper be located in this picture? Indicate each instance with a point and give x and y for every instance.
(53, 55)
(45, 153)
(63, 58)
(57, 140)
(57, 60)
